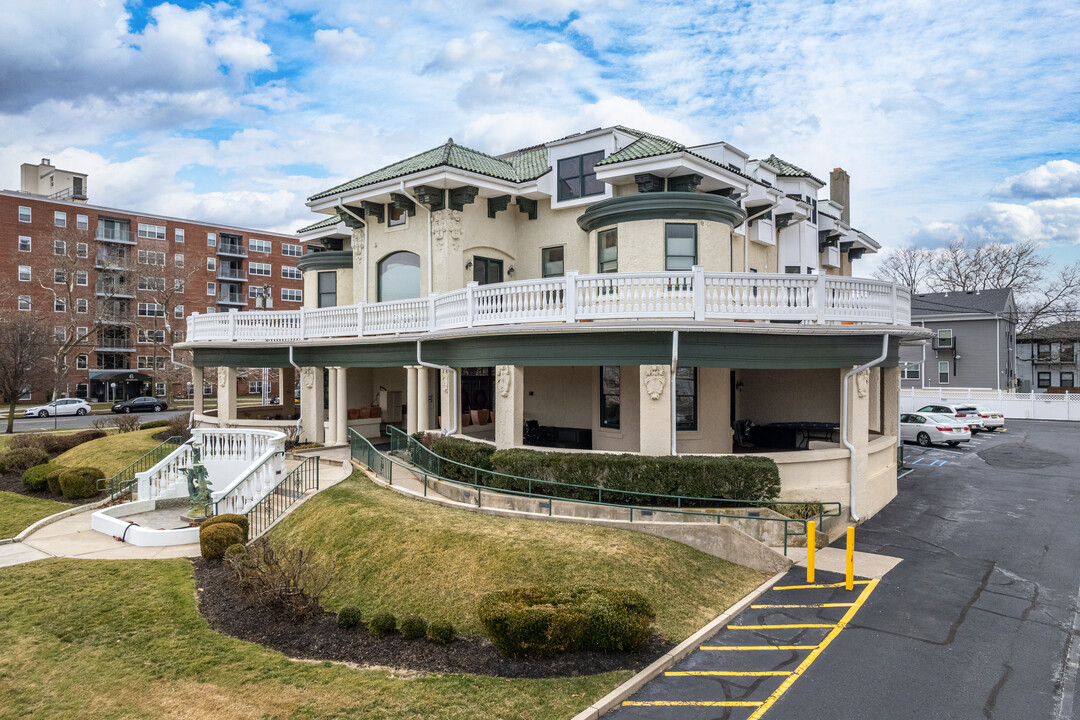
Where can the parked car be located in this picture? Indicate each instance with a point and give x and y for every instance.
(140, 404)
(991, 419)
(929, 428)
(966, 414)
(63, 406)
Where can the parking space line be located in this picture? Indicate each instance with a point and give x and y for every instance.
(818, 586)
(780, 627)
(758, 647)
(690, 703)
(816, 653)
(727, 673)
(817, 605)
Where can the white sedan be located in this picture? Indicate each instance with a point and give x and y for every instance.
(63, 406)
(991, 419)
(929, 428)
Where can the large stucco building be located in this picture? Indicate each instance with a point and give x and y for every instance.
(612, 291)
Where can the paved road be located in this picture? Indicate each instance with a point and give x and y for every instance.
(978, 621)
(74, 421)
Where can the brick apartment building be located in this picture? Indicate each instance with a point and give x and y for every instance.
(117, 285)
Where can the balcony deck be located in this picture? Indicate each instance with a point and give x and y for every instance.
(817, 300)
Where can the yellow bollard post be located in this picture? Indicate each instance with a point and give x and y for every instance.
(811, 542)
(849, 583)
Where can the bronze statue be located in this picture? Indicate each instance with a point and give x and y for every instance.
(199, 496)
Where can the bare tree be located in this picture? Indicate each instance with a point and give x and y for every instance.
(909, 266)
(24, 341)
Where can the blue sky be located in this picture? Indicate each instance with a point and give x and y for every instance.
(958, 118)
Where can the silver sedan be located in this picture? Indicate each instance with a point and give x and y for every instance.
(929, 428)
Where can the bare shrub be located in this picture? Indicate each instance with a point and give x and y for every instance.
(283, 575)
(35, 441)
(178, 425)
(126, 423)
(104, 424)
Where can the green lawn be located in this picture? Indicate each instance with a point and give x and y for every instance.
(122, 639)
(18, 512)
(112, 453)
(404, 556)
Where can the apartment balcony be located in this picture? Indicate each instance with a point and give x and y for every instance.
(105, 289)
(230, 298)
(1065, 358)
(232, 249)
(122, 237)
(106, 260)
(114, 345)
(228, 274)
(695, 296)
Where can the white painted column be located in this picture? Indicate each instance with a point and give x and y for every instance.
(509, 406)
(197, 383)
(423, 409)
(226, 404)
(450, 401)
(411, 404)
(331, 415)
(311, 405)
(342, 417)
(654, 409)
(890, 401)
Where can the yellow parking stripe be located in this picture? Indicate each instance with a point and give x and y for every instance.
(780, 627)
(758, 647)
(818, 605)
(690, 703)
(819, 586)
(728, 673)
(797, 673)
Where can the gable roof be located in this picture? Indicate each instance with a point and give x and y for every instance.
(786, 169)
(1068, 330)
(992, 301)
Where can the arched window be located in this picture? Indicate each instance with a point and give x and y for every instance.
(399, 276)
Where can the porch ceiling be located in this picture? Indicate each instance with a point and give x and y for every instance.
(696, 348)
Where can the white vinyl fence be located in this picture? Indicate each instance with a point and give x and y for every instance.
(1019, 406)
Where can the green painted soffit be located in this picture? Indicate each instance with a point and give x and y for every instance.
(725, 350)
(326, 260)
(661, 206)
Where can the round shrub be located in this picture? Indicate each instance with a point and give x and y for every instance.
(440, 632)
(216, 539)
(382, 624)
(35, 479)
(21, 459)
(53, 480)
(80, 482)
(238, 520)
(348, 617)
(413, 627)
(543, 622)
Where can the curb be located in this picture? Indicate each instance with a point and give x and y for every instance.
(53, 518)
(614, 698)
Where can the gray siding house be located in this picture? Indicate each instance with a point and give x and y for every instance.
(1047, 358)
(974, 344)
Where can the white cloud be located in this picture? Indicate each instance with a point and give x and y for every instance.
(1054, 179)
(343, 46)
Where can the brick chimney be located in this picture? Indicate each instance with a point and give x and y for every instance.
(840, 192)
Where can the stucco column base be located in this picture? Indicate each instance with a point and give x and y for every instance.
(411, 403)
(449, 401)
(226, 407)
(858, 409)
(197, 384)
(654, 409)
(311, 405)
(509, 406)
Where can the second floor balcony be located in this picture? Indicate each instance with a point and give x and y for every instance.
(694, 295)
(114, 235)
(231, 298)
(231, 274)
(231, 248)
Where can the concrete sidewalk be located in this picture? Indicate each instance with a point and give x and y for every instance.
(834, 559)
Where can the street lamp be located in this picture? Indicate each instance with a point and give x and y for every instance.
(263, 301)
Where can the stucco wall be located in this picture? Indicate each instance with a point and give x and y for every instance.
(560, 396)
(769, 396)
(714, 415)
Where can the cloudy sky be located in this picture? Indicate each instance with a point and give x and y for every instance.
(954, 117)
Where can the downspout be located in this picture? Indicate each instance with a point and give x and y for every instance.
(300, 372)
(453, 424)
(674, 415)
(430, 274)
(746, 237)
(845, 441)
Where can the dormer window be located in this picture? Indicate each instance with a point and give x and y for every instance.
(577, 176)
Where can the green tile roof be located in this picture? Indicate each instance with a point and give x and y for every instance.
(645, 146)
(448, 154)
(529, 163)
(786, 169)
(327, 222)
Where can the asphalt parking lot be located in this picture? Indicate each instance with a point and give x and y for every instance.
(979, 620)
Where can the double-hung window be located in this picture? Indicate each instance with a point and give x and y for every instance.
(25, 273)
(327, 289)
(553, 261)
(680, 241)
(260, 246)
(151, 232)
(82, 222)
(607, 259)
(943, 372)
(24, 214)
(178, 235)
(60, 219)
(290, 250)
(263, 269)
(25, 244)
(1044, 380)
(577, 176)
(292, 295)
(291, 273)
(1066, 380)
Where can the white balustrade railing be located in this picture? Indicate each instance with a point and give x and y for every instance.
(242, 466)
(694, 294)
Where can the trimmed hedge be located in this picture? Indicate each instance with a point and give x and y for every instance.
(216, 539)
(154, 424)
(35, 479)
(543, 622)
(80, 482)
(349, 617)
(440, 632)
(22, 459)
(466, 452)
(53, 480)
(239, 520)
(382, 624)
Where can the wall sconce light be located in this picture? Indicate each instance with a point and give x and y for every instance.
(468, 265)
(738, 385)
(510, 272)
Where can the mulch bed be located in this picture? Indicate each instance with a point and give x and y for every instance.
(13, 483)
(229, 611)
